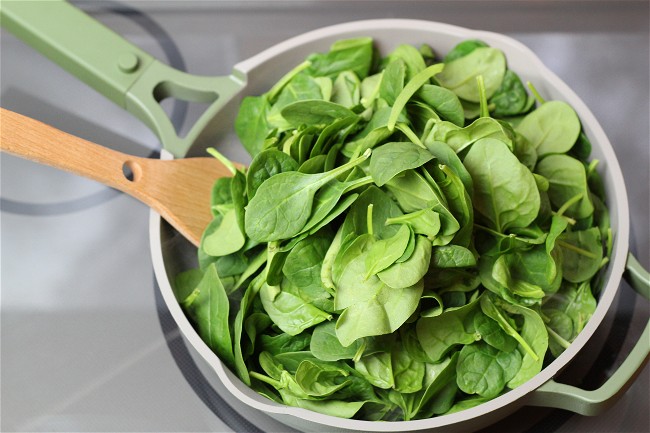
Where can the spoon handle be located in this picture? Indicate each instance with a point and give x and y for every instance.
(33, 140)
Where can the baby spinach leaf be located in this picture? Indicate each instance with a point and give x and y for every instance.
(534, 333)
(290, 312)
(409, 90)
(221, 194)
(460, 74)
(424, 222)
(440, 334)
(265, 165)
(552, 128)
(582, 254)
(282, 204)
(325, 345)
(385, 252)
(511, 97)
(411, 57)
(410, 272)
(444, 102)
(314, 112)
(283, 343)
(485, 370)
(377, 369)
(505, 192)
(319, 379)
(567, 178)
(460, 139)
(301, 87)
(211, 310)
(392, 81)
(408, 373)
(452, 256)
(346, 89)
(390, 159)
(492, 333)
(344, 55)
(463, 48)
(446, 155)
(223, 236)
(568, 310)
(370, 306)
(251, 124)
(302, 266)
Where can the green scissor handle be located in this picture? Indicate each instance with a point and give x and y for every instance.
(119, 70)
(593, 402)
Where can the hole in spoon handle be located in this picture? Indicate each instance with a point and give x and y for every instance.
(132, 170)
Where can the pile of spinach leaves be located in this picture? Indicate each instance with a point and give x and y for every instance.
(415, 235)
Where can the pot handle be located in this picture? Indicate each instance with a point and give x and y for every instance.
(593, 402)
(122, 72)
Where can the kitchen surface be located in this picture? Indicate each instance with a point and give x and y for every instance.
(87, 343)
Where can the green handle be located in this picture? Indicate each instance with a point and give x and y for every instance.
(117, 69)
(593, 402)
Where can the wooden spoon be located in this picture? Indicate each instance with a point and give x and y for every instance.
(179, 190)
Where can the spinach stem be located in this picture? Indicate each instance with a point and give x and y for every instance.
(592, 167)
(513, 333)
(484, 110)
(369, 219)
(410, 134)
(570, 202)
(572, 247)
(535, 92)
(561, 341)
(222, 159)
(262, 378)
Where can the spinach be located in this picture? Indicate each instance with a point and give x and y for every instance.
(413, 237)
(552, 128)
(390, 159)
(485, 370)
(281, 206)
(459, 75)
(505, 192)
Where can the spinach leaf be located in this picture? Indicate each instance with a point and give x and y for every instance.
(282, 204)
(251, 124)
(325, 345)
(390, 159)
(505, 192)
(463, 48)
(377, 369)
(552, 128)
(314, 112)
(409, 273)
(423, 222)
(265, 165)
(485, 370)
(444, 102)
(459, 75)
(567, 179)
(582, 254)
(370, 307)
(385, 252)
(439, 335)
(211, 311)
(511, 98)
(289, 312)
(344, 55)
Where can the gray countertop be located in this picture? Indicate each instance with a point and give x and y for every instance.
(86, 342)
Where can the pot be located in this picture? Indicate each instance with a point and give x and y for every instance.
(136, 81)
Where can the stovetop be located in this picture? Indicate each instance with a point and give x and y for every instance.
(86, 341)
